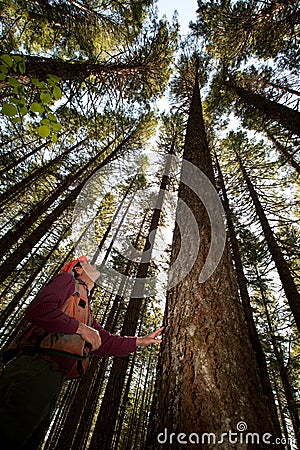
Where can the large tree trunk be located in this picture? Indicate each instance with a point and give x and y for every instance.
(246, 302)
(287, 117)
(39, 67)
(288, 283)
(208, 377)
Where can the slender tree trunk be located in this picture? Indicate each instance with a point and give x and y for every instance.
(123, 405)
(23, 158)
(288, 284)
(246, 302)
(22, 292)
(40, 172)
(143, 407)
(107, 418)
(287, 117)
(108, 229)
(208, 380)
(12, 236)
(281, 148)
(10, 263)
(288, 390)
(280, 407)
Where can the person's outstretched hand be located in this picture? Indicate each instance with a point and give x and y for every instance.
(150, 338)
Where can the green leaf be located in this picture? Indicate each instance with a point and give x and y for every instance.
(52, 117)
(15, 101)
(3, 68)
(13, 82)
(57, 93)
(45, 97)
(21, 67)
(20, 102)
(2, 76)
(44, 131)
(17, 58)
(54, 138)
(37, 83)
(7, 60)
(9, 110)
(16, 119)
(23, 110)
(19, 90)
(45, 122)
(52, 80)
(37, 107)
(56, 126)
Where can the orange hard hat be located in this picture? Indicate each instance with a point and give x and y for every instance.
(69, 265)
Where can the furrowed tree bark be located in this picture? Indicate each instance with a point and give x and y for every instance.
(288, 283)
(287, 117)
(208, 379)
(39, 67)
(246, 302)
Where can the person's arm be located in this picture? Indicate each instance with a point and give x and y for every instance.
(44, 311)
(114, 345)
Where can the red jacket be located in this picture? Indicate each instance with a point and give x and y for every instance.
(44, 311)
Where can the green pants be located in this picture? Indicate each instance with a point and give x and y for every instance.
(28, 390)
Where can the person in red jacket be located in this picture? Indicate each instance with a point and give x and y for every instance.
(56, 346)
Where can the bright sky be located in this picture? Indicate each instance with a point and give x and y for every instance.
(186, 11)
